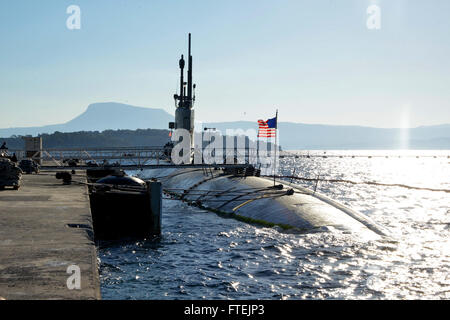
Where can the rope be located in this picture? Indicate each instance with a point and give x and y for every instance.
(177, 173)
(364, 182)
(187, 191)
(240, 197)
(215, 193)
(258, 198)
(287, 154)
(218, 194)
(113, 187)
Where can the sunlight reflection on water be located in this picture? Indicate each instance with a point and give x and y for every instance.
(202, 255)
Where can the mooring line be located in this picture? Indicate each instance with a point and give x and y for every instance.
(187, 191)
(258, 198)
(363, 182)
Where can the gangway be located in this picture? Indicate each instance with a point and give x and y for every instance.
(133, 158)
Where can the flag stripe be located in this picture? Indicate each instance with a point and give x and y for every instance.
(265, 131)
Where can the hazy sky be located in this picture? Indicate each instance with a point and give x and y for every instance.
(316, 61)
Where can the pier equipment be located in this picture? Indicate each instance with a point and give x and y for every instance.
(124, 206)
(33, 148)
(10, 174)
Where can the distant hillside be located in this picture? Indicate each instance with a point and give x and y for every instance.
(315, 136)
(114, 116)
(103, 116)
(108, 138)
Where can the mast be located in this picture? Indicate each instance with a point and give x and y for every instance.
(190, 73)
(186, 99)
(181, 97)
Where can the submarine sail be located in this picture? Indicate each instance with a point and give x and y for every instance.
(184, 113)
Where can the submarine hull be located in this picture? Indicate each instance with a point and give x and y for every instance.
(255, 200)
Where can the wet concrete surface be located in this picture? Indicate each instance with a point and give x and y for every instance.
(45, 227)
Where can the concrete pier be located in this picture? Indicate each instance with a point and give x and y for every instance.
(45, 227)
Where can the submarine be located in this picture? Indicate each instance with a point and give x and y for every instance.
(240, 192)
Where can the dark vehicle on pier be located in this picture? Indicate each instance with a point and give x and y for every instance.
(29, 166)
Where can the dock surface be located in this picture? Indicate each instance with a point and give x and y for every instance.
(45, 227)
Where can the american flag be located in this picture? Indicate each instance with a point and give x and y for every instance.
(267, 129)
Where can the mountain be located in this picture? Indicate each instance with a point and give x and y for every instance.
(316, 136)
(114, 116)
(95, 139)
(103, 116)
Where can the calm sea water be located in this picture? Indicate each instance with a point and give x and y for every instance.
(203, 256)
